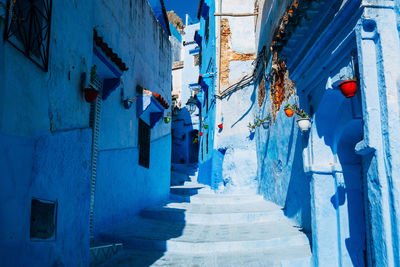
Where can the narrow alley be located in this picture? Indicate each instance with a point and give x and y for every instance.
(200, 133)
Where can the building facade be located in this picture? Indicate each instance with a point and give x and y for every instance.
(185, 119)
(227, 148)
(72, 171)
(331, 165)
(338, 179)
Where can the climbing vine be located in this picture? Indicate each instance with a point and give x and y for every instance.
(261, 92)
(281, 86)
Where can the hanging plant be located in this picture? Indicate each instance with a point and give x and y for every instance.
(91, 93)
(289, 110)
(349, 86)
(304, 121)
(258, 122)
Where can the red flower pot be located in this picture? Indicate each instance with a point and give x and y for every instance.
(289, 112)
(348, 88)
(220, 126)
(200, 133)
(91, 95)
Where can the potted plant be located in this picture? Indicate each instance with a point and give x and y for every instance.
(349, 86)
(289, 110)
(206, 126)
(167, 119)
(91, 93)
(266, 122)
(258, 122)
(304, 122)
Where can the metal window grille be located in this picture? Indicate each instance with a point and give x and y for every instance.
(144, 144)
(28, 29)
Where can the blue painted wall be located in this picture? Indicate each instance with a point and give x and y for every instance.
(185, 123)
(45, 137)
(230, 164)
(207, 66)
(123, 188)
(149, 52)
(329, 179)
(49, 168)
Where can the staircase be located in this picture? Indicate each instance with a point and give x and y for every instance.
(200, 228)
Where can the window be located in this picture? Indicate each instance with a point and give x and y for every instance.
(202, 149)
(207, 101)
(207, 143)
(28, 29)
(43, 220)
(207, 27)
(144, 144)
(196, 60)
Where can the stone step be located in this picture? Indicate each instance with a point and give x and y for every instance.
(158, 235)
(211, 198)
(101, 253)
(260, 211)
(290, 256)
(189, 189)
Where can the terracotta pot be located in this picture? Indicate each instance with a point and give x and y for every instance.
(221, 126)
(289, 112)
(91, 95)
(348, 88)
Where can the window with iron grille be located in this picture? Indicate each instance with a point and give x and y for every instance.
(144, 144)
(28, 29)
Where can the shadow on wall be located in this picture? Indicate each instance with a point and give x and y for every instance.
(298, 198)
(352, 190)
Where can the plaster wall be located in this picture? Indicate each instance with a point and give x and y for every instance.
(147, 51)
(50, 168)
(190, 73)
(33, 101)
(233, 157)
(123, 188)
(177, 83)
(184, 123)
(45, 140)
(207, 66)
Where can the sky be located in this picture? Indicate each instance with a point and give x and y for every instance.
(182, 7)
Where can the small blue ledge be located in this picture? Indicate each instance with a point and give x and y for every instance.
(197, 37)
(149, 109)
